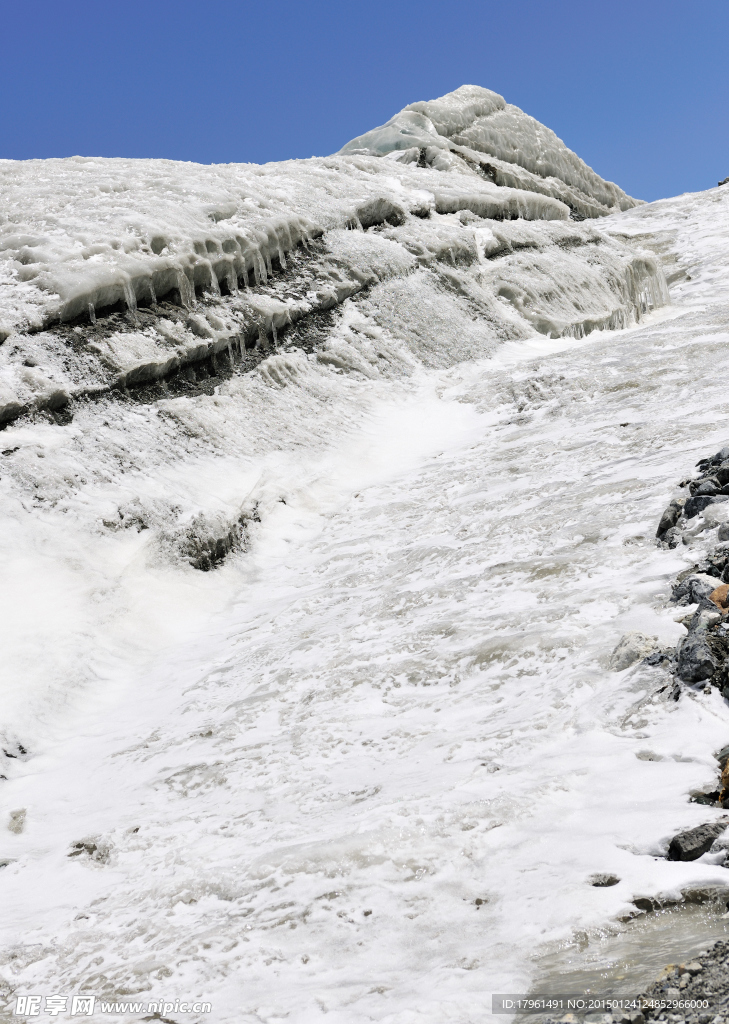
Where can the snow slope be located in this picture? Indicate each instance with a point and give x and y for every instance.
(364, 768)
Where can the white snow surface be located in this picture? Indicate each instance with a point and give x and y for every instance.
(364, 769)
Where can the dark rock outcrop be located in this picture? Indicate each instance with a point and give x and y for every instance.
(693, 843)
(670, 516)
(701, 501)
(696, 660)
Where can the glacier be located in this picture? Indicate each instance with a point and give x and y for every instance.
(328, 487)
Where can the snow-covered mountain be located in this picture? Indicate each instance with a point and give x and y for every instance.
(327, 488)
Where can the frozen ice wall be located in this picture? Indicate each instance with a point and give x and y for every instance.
(472, 122)
(115, 273)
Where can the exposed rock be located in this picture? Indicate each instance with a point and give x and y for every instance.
(723, 798)
(716, 563)
(704, 980)
(695, 842)
(706, 799)
(94, 848)
(206, 542)
(628, 1017)
(704, 618)
(696, 660)
(672, 538)
(720, 597)
(693, 588)
(715, 460)
(658, 657)
(380, 211)
(632, 647)
(698, 503)
(710, 487)
(603, 881)
(670, 516)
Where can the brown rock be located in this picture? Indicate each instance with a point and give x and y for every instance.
(720, 597)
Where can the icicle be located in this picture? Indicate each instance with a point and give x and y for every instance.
(131, 299)
(262, 268)
(214, 286)
(267, 256)
(152, 292)
(281, 257)
(232, 278)
(92, 313)
(273, 332)
(187, 294)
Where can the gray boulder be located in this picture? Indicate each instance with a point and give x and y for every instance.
(696, 660)
(710, 487)
(699, 502)
(695, 842)
(670, 517)
(694, 587)
(672, 538)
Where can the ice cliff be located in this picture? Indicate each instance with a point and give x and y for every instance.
(115, 273)
(472, 122)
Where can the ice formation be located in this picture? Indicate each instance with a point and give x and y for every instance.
(327, 490)
(471, 122)
(267, 247)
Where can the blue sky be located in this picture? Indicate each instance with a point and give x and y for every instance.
(640, 90)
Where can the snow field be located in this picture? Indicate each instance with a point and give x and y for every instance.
(366, 768)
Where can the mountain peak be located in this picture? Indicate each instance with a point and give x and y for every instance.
(472, 122)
